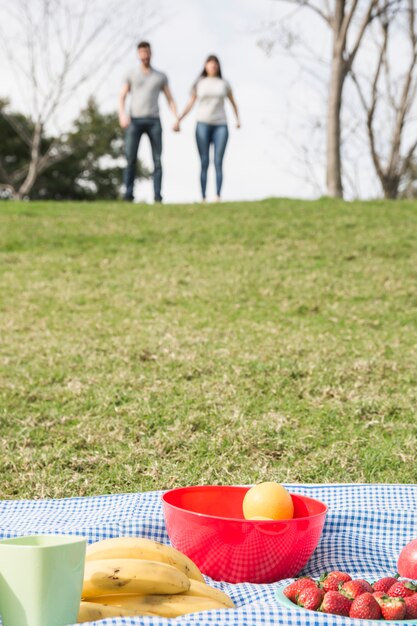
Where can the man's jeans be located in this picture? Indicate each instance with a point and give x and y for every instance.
(138, 126)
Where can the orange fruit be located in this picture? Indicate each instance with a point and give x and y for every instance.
(268, 499)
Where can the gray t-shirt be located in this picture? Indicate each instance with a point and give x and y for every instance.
(211, 92)
(144, 91)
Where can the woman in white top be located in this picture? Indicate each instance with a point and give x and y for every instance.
(210, 92)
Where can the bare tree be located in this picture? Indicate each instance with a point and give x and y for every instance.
(53, 48)
(388, 96)
(347, 22)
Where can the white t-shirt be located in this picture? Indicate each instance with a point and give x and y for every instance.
(211, 92)
(144, 91)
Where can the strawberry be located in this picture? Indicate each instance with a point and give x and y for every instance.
(411, 606)
(310, 598)
(292, 590)
(336, 603)
(367, 586)
(393, 608)
(383, 584)
(378, 595)
(353, 588)
(331, 581)
(365, 607)
(402, 589)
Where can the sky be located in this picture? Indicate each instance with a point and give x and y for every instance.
(279, 150)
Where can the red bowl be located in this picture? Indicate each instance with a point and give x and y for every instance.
(206, 523)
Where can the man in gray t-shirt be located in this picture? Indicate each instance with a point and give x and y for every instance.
(144, 84)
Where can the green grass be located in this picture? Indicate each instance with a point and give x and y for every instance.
(151, 347)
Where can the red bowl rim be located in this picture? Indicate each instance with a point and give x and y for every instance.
(238, 519)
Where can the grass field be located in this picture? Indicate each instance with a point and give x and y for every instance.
(151, 347)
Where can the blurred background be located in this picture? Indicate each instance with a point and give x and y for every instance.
(62, 58)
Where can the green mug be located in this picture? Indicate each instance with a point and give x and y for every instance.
(41, 578)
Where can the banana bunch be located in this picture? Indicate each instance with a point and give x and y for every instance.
(131, 576)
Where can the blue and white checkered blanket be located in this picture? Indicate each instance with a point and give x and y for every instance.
(366, 527)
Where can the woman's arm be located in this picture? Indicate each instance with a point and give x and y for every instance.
(188, 106)
(235, 109)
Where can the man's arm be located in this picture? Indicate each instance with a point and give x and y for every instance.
(124, 120)
(171, 102)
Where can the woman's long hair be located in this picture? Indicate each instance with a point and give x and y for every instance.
(212, 57)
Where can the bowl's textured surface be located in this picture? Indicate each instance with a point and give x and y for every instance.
(206, 523)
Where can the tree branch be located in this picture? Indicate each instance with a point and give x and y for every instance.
(408, 157)
(17, 127)
(308, 5)
(406, 95)
(19, 175)
(370, 112)
(370, 109)
(346, 21)
(50, 157)
(365, 21)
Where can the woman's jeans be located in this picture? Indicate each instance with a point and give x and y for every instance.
(216, 134)
(139, 126)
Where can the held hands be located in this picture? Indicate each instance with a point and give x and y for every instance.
(176, 126)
